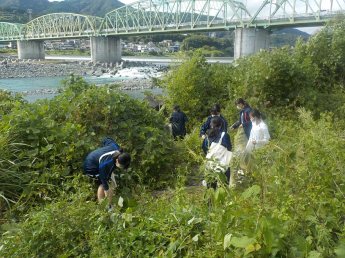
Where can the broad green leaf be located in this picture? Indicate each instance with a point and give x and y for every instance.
(227, 239)
(220, 194)
(340, 250)
(196, 238)
(190, 221)
(128, 217)
(314, 254)
(242, 242)
(250, 248)
(120, 202)
(251, 192)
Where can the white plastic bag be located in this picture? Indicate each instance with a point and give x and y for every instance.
(219, 154)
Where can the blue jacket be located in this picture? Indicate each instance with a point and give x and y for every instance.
(244, 120)
(207, 125)
(226, 141)
(100, 163)
(178, 121)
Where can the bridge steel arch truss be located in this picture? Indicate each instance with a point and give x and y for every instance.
(295, 12)
(61, 25)
(10, 31)
(159, 16)
(167, 16)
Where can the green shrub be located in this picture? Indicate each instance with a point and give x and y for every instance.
(12, 180)
(61, 228)
(271, 79)
(294, 206)
(165, 225)
(290, 205)
(326, 51)
(56, 135)
(8, 101)
(196, 86)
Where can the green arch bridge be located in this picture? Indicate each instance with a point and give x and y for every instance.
(251, 23)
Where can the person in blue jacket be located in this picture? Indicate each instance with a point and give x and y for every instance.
(178, 122)
(102, 162)
(244, 119)
(213, 135)
(215, 112)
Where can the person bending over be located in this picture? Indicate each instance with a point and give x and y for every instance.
(102, 162)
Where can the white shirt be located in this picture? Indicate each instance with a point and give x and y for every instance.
(259, 134)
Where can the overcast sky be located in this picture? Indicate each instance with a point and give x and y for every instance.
(253, 5)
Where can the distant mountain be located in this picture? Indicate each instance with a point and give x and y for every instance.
(40, 7)
(91, 7)
(37, 6)
(293, 31)
(287, 37)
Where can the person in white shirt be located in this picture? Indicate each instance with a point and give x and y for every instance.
(259, 135)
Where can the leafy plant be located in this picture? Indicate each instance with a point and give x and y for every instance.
(56, 135)
(196, 87)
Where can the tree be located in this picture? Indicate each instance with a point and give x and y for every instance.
(199, 41)
(196, 86)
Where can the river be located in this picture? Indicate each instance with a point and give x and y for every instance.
(40, 87)
(45, 87)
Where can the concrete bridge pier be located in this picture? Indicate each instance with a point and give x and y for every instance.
(106, 49)
(30, 49)
(249, 41)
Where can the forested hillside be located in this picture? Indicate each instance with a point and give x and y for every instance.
(91, 7)
(287, 37)
(39, 7)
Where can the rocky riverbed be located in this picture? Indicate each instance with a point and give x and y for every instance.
(129, 75)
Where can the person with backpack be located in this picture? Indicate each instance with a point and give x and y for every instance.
(244, 119)
(178, 122)
(215, 112)
(102, 162)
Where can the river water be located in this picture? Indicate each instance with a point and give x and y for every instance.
(37, 88)
(41, 84)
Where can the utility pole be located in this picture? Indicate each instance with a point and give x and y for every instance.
(29, 11)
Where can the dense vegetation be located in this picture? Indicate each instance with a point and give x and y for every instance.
(11, 15)
(215, 46)
(286, 37)
(289, 204)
